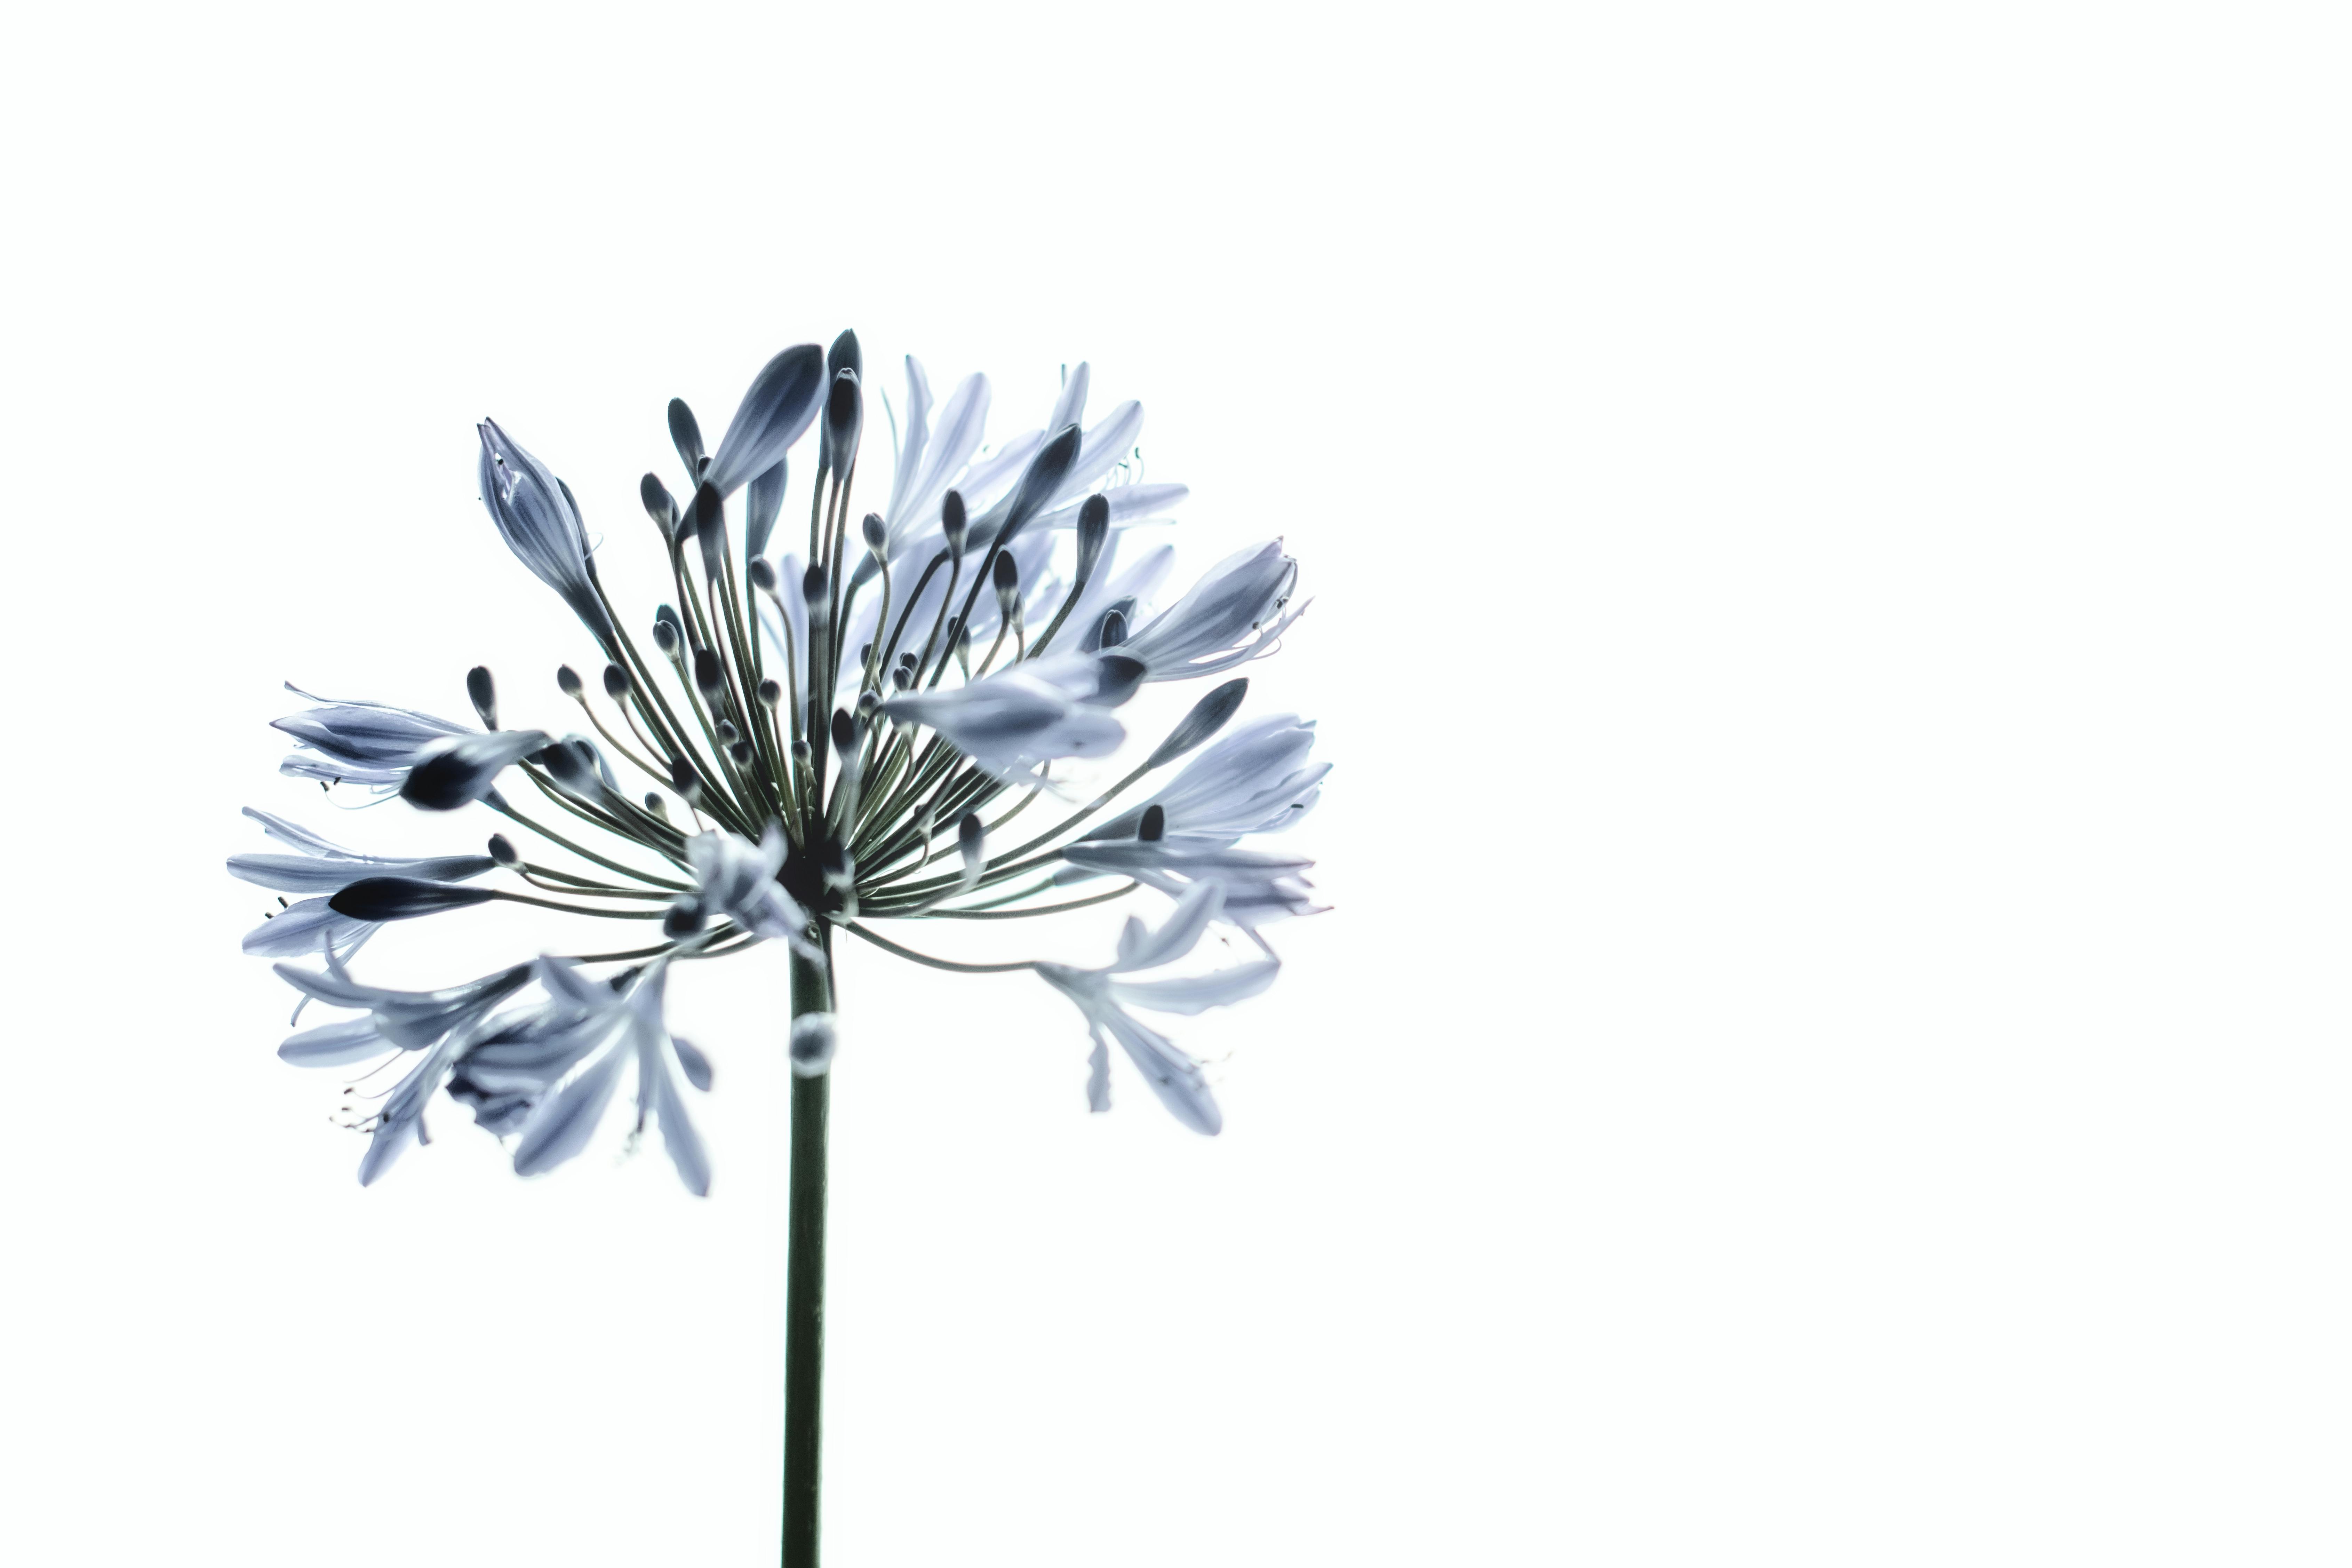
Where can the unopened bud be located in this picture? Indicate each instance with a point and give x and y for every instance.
(1208, 716)
(686, 436)
(844, 413)
(1094, 532)
(660, 505)
(1007, 577)
(485, 694)
(878, 538)
(952, 521)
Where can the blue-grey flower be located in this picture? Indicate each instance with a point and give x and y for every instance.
(1255, 780)
(1014, 721)
(540, 523)
(370, 743)
(1104, 998)
(826, 746)
(324, 870)
(1233, 613)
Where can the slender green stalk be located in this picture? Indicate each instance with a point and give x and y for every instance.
(805, 1280)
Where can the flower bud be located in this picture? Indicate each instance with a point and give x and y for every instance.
(845, 413)
(660, 505)
(1008, 585)
(878, 538)
(1208, 716)
(1094, 532)
(479, 686)
(403, 898)
(686, 436)
(952, 521)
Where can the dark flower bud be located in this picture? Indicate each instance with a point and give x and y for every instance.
(666, 638)
(763, 575)
(686, 436)
(1114, 630)
(461, 768)
(971, 841)
(616, 682)
(567, 681)
(1094, 532)
(660, 505)
(763, 504)
(902, 677)
(878, 538)
(1038, 484)
(1208, 716)
(845, 730)
(710, 527)
(845, 355)
(1154, 825)
(772, 693)
(952, 521)
(844, 413)
(710, 675)
(479, 686)
(572, 764)
(1008, 585)
(403, 898)
(502, 850)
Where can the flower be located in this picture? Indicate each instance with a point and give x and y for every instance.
(541, 522)
(827, 742)
(1104, 998)
(1230, 617)
(324, 869)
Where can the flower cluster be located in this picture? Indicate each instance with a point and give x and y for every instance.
(829, 739)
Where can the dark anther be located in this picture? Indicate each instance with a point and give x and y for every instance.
(657, 804)
(485, 695)
(502, 850)
(710, 675)
(866, 702)
(685, 781)
(903, 676)
(616, 682)
(665, 638)
(683, 919)
(567, 681)
(1007, 577)
(728, 733)
(763, 575)
(743, 754)
(845, 730)
(1154, 825)
(771, 694)
(1114, 630)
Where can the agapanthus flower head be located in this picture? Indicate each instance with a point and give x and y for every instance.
(828, 732)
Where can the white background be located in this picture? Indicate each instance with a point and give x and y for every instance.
(1828, 538)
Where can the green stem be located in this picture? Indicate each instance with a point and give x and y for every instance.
(804, 1279)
